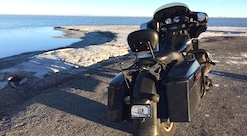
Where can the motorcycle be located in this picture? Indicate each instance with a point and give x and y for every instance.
(166, 82)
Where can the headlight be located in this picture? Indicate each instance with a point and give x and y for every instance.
(168, 21)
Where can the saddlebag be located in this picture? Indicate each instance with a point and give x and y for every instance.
(117, 91)
(183, 90)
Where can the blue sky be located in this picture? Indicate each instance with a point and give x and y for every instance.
(214, 8)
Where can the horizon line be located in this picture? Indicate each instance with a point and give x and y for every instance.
(87, 15)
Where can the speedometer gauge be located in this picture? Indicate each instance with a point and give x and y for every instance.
(176, 19)
(168, 21)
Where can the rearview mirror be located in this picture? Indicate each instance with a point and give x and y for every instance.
(202, 17)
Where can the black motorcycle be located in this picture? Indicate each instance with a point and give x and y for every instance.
(166, 82)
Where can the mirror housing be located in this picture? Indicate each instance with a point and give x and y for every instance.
(202, 17)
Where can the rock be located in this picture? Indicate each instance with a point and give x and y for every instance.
(3, 84)
(57, 27)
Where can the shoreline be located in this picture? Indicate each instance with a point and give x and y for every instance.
(25, 75)
(78, 32)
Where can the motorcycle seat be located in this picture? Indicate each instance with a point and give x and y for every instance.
(164, 58)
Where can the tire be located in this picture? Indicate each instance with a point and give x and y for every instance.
(167, 129)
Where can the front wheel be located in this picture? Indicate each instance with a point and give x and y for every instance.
(167, 128)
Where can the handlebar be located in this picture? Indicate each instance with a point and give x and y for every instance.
(194, 24)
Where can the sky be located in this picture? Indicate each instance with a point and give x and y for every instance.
(142, 8)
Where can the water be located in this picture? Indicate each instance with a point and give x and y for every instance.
(24, 33)
(30, 21)
(13, 42)
(230, 22)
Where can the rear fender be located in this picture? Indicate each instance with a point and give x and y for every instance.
(144, 84)
(145, 93)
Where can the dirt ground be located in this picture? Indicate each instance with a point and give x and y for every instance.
(78, 106)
